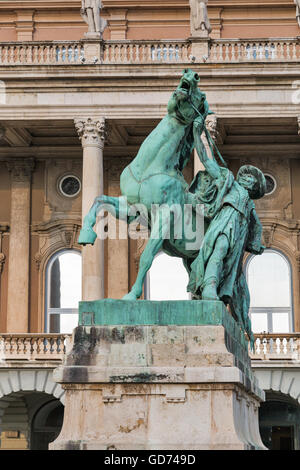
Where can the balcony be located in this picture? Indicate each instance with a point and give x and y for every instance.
(33, 348)
(149, 52)
(53, 347)
(276, 347)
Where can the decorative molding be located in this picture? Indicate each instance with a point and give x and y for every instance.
(34, 380)
(56, 205)
(91, 132)
(24, 24)
(54, 236)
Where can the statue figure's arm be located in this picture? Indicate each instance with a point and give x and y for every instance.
(255, 235)
(210, 165)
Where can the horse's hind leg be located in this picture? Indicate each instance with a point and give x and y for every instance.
(117, 206)
(153, 246)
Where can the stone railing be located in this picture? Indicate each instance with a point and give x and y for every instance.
(41, 53)
(34, 347)
(278, 346)
(243, 50)
(142, 52)
(147, 52)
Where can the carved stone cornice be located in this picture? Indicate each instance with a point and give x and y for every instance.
(91, 131)
(21, 169)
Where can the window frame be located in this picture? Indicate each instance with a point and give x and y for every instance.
(270, 310)
(50, 311)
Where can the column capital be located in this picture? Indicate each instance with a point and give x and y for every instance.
(91, 131)
(21, 168)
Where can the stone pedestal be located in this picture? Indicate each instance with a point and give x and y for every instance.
(93, 48)
(200, 49)
(174, 375)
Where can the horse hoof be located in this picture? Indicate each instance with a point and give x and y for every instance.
(87, 237)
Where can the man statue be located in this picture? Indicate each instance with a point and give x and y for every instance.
(90, 12)
(297, 3)
(233, 228)
(200, 24)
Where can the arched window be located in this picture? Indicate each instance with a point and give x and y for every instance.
(63, 291)
(269, 282)
(167, 279)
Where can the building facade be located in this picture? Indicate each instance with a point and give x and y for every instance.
(75, 107)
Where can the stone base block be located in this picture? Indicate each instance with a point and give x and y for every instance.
(155, 386)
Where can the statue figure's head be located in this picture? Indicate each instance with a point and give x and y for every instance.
(190, 101)
(252, 179)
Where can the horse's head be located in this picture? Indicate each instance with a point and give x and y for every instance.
(187, 102)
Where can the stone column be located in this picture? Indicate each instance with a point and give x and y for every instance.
(92, 135)
(19, 244)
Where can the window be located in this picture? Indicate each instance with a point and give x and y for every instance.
(167, 279)
(63, 292)
(269, 281)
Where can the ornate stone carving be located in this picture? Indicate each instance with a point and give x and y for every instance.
(90, 12)
(54, 236)
(92, 132)
(56, 205)
(211, 125)
(21, 168)
(200, 24)
(268, 235)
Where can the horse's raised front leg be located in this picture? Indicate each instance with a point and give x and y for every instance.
(117, 206)
(157, 236)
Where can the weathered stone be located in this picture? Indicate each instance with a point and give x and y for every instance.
(157, 386)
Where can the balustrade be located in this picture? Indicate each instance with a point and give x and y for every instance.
(146, 52)
(128, 52)
(33, 346)
(42, 53)
(222, 50)
(277, 346)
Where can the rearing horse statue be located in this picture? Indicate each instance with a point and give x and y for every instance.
(155, 177)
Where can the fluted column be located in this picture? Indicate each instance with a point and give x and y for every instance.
(92, 135)
(19, 245)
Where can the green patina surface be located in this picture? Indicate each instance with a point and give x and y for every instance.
(121, 313)
(228, 218)
(146, 312)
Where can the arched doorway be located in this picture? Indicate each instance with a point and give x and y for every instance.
(29, 420)
(279, 418)
(46, 425)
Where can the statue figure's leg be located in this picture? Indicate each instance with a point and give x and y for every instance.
(116, 205)
(91, 22)
(157, 236)
(96, 15)
(214, 267)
